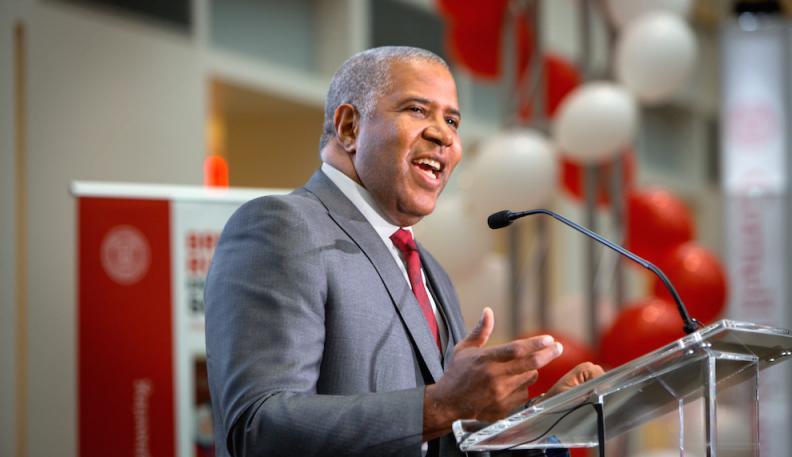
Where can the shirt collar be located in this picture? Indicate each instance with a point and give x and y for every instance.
(363, 201)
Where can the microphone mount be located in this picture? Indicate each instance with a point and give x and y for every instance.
(504, 218)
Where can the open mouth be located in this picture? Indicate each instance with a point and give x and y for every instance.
(430, 167)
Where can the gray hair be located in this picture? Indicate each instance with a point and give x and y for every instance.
(364, 78)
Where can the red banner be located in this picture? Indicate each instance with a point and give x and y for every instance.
(125, 342)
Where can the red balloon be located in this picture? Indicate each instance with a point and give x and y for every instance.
(575, 353)
(640, 328)
(215, 171)
(572, 178)
(657, 222)
(561, 77)
(698, 277)
(471, 11)
(476, 45)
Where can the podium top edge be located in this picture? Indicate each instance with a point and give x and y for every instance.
(745, 326)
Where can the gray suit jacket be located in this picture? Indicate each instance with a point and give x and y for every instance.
(316, 344)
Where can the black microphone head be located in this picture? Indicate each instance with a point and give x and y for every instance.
(500, 219)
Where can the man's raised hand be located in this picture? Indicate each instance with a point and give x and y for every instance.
(485, 383)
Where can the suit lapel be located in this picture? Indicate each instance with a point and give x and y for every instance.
(446, 299)
(355, 225)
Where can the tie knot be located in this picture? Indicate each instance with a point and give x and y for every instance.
(404, 241)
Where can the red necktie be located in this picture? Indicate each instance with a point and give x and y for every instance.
(404, 241)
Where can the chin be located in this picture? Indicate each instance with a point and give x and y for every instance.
(415, 210)
(414, 217)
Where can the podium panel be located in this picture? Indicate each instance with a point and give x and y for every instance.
(697, 366)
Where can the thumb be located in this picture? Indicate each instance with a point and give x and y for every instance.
(481, 332)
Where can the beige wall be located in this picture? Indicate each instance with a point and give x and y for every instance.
(272, 151)
(268, 141)
(108, 99)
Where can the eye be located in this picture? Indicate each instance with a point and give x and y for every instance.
(452, 122)
(417, 109)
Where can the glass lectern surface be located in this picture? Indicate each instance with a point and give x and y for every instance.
(636, 392)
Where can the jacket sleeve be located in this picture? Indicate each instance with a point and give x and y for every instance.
(265, 302)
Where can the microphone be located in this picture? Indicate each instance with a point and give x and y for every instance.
(505, 218)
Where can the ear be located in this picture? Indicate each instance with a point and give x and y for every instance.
(346, 121)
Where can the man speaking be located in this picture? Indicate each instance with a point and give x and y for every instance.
(329, 330)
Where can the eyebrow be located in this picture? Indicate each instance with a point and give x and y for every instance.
(426, 101)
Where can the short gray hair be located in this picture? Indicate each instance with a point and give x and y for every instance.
(364, 78)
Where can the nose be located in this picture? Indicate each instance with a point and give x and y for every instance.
(441, 136)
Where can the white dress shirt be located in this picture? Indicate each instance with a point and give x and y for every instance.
(365, 203)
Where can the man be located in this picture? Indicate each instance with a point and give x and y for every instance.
(328, 331)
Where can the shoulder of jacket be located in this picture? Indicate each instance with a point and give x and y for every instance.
(299, 201)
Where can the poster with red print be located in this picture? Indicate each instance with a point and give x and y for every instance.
(143, 255)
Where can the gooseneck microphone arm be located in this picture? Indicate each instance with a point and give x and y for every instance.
(504, 218)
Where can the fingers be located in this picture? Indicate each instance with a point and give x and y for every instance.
(586, 371)
(480, 334)
(516, 397)
(582, 373)
(533, 361)
(490, 382)
(519, 383)
(525, 348)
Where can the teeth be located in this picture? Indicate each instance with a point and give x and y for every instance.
(434, 164)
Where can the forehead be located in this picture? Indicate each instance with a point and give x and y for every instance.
(422, 78)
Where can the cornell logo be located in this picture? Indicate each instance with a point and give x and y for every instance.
(125, 254)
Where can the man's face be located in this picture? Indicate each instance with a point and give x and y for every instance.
(408, 146)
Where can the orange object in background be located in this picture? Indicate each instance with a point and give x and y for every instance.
(215, 171)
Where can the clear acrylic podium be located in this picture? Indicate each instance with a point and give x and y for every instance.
(700, 366)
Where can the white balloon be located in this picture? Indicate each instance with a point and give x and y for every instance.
(655, 55)
(457, 239)
(622, 12)
(486, 286)
(516, 169)
(595, 122)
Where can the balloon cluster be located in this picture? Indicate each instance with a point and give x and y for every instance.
(660, 229)
(593, 124)
(653, 57)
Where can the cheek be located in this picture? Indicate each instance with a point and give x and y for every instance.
(392, 157)
(379, 172)
(454, 160)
